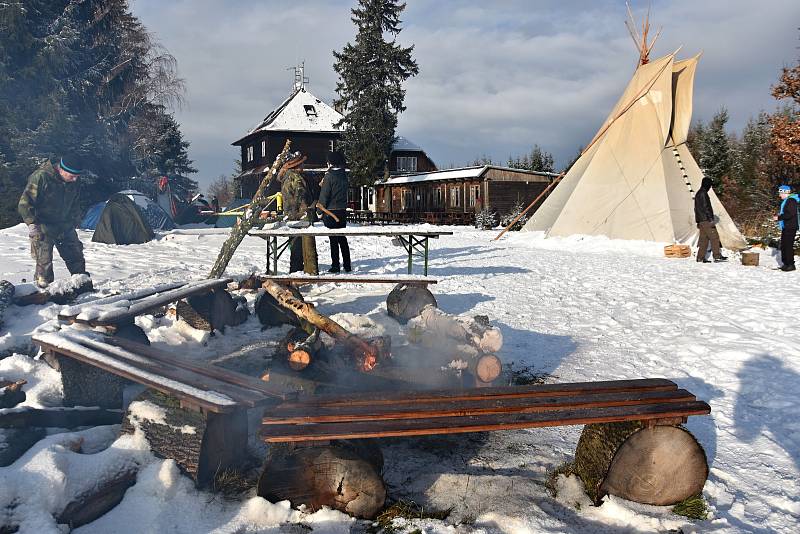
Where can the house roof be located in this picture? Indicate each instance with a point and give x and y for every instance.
(404, 144)
(458, 174)
(301, 112)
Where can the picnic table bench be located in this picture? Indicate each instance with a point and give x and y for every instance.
(410, 280)
(413, 240)
(119, 309)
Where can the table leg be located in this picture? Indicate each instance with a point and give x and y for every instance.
(275, 255)
(410, 253)
(426, 255)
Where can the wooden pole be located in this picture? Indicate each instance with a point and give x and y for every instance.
(325, 210)
(243, 225)
(599, 134)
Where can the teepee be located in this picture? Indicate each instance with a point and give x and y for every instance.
(636, 179)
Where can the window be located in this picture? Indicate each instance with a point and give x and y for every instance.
(474, 195)
(370, 195)
(407, 163)
(310, 111)
(331, 145)
(263, 149)
(437, 197)
(250, 153)
(455, 197)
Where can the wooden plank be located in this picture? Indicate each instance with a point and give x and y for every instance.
(117, 315)
(573, 388)
(482, 423)
(328, 414)
(353, 279)
(213, 371)
(190, 377)
(161, 378)
(70, 312)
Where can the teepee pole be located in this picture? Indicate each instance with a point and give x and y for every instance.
(624, 110)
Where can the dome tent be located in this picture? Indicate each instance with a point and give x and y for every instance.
(128, 217)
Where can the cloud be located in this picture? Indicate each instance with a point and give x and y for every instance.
(495, 77)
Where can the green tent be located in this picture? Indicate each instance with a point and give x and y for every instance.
(122, 223)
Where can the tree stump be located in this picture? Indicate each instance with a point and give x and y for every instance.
(86, 385)
(202, 444)
(656, 465)
(131, 332)
(212, 311)
(341, 475)
(406, 301)
(270, 313)
(92, 504)
(11, 393)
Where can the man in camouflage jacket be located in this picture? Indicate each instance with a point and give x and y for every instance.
(299, 196)
(50, 207)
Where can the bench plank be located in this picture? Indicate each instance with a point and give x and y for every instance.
(203, 391)
(574, 388)
(410, 410)
(480, 423)
(225, 375)
(354, 279)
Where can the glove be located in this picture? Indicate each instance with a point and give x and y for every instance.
(35, 232)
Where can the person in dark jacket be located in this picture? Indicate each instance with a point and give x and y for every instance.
(333, 197)
(787, 221)
(706, 223)
(50, 207)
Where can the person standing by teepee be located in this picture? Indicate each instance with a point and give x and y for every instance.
(706, 224)
(787, 221)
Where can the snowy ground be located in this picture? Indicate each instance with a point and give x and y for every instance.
(575, 309)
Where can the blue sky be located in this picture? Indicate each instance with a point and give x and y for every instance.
(495, 77)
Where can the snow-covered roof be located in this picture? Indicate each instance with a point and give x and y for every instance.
(457, 174)
(301, 112)
(404, 144)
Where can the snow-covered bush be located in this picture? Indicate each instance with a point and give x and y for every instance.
(513, 214)
(485, 219)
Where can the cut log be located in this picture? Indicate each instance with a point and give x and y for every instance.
(270, 313)
(83, 285)
(658, 465)
(202, 444)
(59, 417)
(131, 332)
(407, 301)
(11, 393)
(6, 297)
(301, 353)
(87, 385)
(433, 326)
(93, 504)
(339, 476)
(365, 354)
(486, 368)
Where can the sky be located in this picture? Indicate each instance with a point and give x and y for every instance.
(495, 77)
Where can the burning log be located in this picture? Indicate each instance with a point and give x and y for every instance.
(365, 353)
(301, 354)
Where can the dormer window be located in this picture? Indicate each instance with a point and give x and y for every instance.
(407, 163)
(310, 110)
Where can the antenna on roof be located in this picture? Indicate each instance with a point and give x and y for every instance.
(640, 40)
(300, 79)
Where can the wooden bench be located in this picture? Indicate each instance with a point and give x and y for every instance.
(120, 309)
(376, 415)
(409, 280)
(212, 402)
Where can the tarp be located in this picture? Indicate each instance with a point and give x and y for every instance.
(227, 221)
(92, 216)
(637, 180)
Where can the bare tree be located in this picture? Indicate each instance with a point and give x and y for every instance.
(222, 189)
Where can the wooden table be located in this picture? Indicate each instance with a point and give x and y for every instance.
(414, 240)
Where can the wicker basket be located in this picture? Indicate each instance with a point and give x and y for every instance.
(750, 258)
(677, 251)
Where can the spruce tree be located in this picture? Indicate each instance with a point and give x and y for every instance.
(370, 87)
(715, 152)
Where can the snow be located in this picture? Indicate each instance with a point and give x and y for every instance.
(463, 173)
(291, 115)
(574, 309)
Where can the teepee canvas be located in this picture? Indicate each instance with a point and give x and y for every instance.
(637, 179)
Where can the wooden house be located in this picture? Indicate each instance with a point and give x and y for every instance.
(455, 195)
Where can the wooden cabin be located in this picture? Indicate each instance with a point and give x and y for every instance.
(310, 123)
(456, 195)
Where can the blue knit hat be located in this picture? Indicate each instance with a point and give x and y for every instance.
(785, 189)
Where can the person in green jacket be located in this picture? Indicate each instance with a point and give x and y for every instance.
(50, 207)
